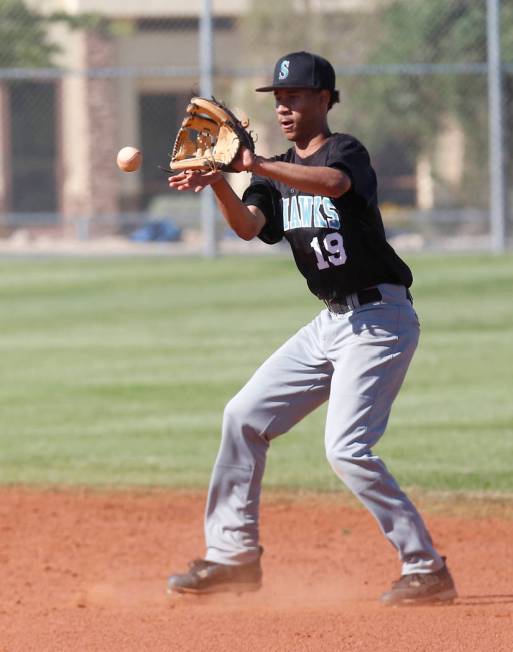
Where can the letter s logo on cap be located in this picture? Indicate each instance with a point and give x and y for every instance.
(284, 70)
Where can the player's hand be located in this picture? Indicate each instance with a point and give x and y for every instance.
(194, 180)
(244, 161)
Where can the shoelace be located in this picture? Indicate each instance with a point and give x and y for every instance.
(414, 577)
(421, 578)
(199, 564)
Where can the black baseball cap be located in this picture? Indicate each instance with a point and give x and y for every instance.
(302, 70)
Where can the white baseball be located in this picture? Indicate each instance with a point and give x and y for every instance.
(129, 159)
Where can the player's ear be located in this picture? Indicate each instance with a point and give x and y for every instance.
(325, 97)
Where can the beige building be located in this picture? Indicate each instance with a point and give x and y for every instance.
(129, 84)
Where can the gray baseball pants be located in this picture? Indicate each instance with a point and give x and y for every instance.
(357, 361)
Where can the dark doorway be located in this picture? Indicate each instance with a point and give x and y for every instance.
(33, 155)
(160, 116)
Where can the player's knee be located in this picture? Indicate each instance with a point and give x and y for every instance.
(240, 418)
(235, 411)
(336, 458)
(349, 462)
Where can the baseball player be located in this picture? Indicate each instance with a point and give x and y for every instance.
(321, 196)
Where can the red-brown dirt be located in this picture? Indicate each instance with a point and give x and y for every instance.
(86, 570)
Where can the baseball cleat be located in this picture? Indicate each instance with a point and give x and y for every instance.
(422, 588)
(209, 577)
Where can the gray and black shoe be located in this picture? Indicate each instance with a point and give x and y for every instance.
(209, 577)
(422, 588)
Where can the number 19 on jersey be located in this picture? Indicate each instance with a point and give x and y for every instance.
(334, 247)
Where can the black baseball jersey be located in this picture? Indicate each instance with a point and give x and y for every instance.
(339, 245)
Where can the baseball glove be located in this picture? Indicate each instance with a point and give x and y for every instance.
(210, 137)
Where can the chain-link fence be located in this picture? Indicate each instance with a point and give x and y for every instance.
(75, 87)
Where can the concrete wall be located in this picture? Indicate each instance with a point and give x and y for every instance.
(89, 131)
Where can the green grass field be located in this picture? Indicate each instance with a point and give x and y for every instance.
(116, 371)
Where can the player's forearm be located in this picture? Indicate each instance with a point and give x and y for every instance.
(325, 181)
(238, 217)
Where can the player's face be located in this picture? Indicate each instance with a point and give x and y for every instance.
(301, 112)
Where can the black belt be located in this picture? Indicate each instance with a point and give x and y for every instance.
(370, 295)
(341, 306)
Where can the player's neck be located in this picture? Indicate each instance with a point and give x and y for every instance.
(307, 146)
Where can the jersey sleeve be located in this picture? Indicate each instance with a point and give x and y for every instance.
(262, 194)
(349, 155)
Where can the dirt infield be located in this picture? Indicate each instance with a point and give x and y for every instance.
(86, 570)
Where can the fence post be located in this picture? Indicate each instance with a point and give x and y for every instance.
(496, 130)
(206, 65)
